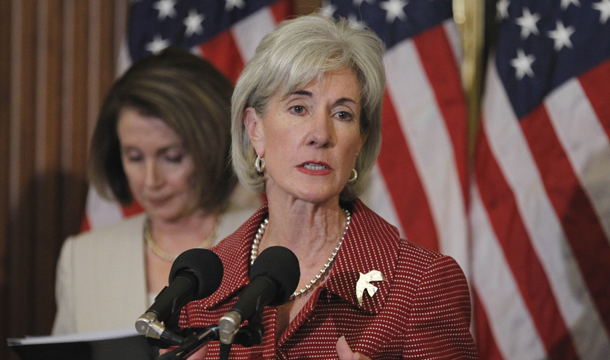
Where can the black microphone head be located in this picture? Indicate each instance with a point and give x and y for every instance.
(281, 265)
(205, 265)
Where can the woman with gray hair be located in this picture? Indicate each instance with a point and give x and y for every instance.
(306, 128)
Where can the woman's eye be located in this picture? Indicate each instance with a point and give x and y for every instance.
(132, 156)
(344, 115)
(298, 109)
(174, 158)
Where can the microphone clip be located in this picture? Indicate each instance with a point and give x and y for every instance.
(247, 336)
(157, 334)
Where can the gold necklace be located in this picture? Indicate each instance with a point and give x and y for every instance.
(321, 274)
(162, 253)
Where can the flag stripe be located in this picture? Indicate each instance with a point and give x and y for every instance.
(584, 209)
(444, 79)
(415, 93)
(405, 188)
(378, 196)
(578, 220)
(536, 212)
(132, 209)
(453, 36)
(595, 84)
(586, 144)
(509, 319)
(249, 32)
(222, 52)
(487, 346)
(101, 212)
(281, 10)
(512, 236)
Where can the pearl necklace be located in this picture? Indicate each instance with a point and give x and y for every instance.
(165, 255)
(314, 281)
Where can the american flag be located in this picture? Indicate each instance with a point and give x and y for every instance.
(420, 182)
(540, 210)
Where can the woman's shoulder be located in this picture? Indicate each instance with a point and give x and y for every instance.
(120, 232)
(233, 218)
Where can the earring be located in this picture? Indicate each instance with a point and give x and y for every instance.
(354, 176)
(259, 164)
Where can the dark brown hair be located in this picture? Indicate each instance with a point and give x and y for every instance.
(193, 99)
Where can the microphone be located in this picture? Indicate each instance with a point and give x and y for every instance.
(195, 274)
(274, 277)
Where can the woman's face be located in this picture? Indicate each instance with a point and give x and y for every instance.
(311, 139)
(158, 167)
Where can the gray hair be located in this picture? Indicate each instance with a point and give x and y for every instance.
(288, 59)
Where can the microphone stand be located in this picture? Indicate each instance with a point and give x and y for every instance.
(246, 336)
(192, 343)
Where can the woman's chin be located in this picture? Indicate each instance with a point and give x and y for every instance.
(317, 197)
(165, 215)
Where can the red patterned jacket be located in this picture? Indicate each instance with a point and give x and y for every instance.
(420, 311)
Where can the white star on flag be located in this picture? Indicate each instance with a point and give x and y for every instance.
(232, 4)
(561, 36)
(523, 64)
(566, 3)
(502, 9)
(166, 8)
(528, 23)
(355, 23)
(328, 9)
(193, 23)
(604, 8)
(157, 44)
(357, 3)
(394, 9)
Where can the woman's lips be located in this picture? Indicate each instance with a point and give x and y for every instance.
(157, 202)
(315, 168)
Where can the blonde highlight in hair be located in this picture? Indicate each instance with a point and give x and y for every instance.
(295, 53)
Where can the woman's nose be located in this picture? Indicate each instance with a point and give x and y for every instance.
(152, 177)
(322, 131)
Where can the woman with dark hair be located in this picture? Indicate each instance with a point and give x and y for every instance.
(162, 138)
(306, 116)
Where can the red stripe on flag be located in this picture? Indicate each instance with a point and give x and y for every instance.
(403, 183)
(132, 209)
(529, 274)
(443, 75)
(281, 10)
(222, 52)
(486, 343)
(578, 218)
(595, 85)
(85, 225)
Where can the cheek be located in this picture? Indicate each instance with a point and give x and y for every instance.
(183, 176)
(133, 173)
(354, 145)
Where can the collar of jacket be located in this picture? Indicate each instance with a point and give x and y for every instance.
(370, 244)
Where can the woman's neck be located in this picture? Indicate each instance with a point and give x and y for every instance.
(185, 233)
(311, 231)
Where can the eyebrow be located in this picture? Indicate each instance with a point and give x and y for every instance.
(302, 92)
(310, 94)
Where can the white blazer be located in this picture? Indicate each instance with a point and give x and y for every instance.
(101, 279)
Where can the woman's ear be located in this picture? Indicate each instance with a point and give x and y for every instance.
(254, 126)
